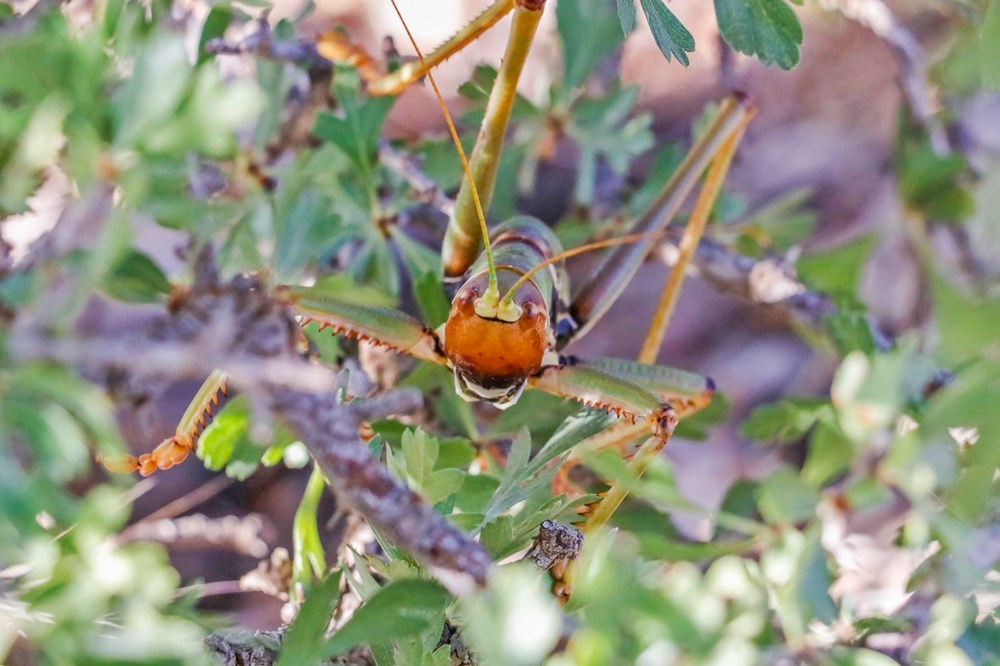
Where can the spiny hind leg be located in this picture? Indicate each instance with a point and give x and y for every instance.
(639, 393)
(713, 150)
(336, 47)
(686, 392)
(693, 232)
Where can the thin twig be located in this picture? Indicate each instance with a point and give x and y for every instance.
(877, 17)
(239, 534)
(188, 501)
(767, 281)
(425, 189)
(250, 329)
(261, 43)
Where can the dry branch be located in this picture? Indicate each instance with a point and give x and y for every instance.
(238, 325)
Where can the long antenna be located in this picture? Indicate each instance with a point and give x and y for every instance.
(492, 294)
(508, 299)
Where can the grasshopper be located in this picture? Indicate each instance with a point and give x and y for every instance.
(513, 313)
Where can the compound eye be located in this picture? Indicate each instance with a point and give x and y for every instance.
(531, 312)
(465, 300)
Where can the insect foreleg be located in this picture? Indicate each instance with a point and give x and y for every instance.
(384, 326)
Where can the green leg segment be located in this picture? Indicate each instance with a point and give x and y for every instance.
(462, 241)
(685, 391)
(381, 325)
(597, 388)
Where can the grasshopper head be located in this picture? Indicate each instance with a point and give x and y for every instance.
(493, 356)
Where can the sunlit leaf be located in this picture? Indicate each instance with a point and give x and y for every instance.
(134, 277)
(401, 608)
(594, 18)
(626, 15)
(767, 29)
(303, 642)
(668, 32)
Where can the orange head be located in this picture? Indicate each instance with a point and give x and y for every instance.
(493, 358)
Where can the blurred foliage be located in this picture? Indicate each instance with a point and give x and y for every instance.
(897, 462)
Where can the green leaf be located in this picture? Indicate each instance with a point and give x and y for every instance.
(135, 278)
(602, 128)
(424, 268)
(355, 127)
(55, 439)
(19, 289)
(697, 425)
(767, 29)
(850, 328)
(830, 453)
(308, 556)
(860, 657)
(626, 16)
(837, 270)
(304, 640)
(658, 547)
(216, 23)
(477, 89)
(668, 32)
(989, 46)
(226, 444)
(784, 498)
(665, 162)
(417, 466)
(496, 536)
(966, 325)
(39, 383)
(301, 231)
(786, 421)
(576, 428)
(401, 608)
(930, 183)
(780, 224)
(517, 484)
(981, 641)
(596, 20)
(475, 493)
(342, 288)
(542, 412)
